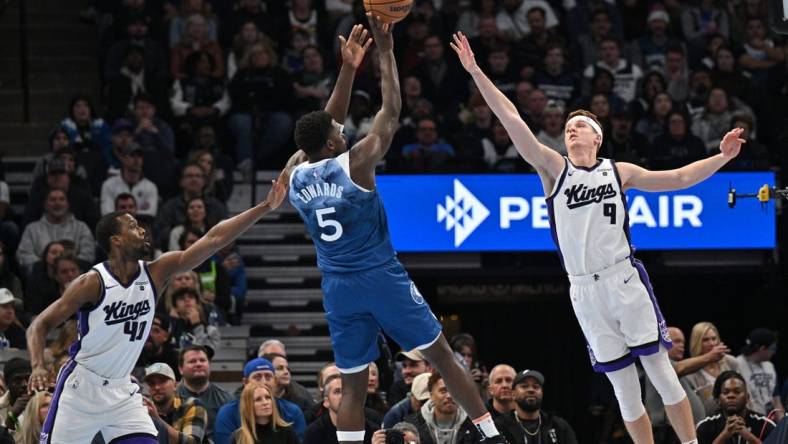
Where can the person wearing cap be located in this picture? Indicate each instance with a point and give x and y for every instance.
(758, 372)
(413, 364)
(601, 266)
(130, 180)
(158, 347)
(194, 364)
(418, 395)
(16, 372)
(528, 423)
(56, 223)
(324, 429)
(260, 371)
(650, 49)
(183, 420)
(500, 390)
(12, 332)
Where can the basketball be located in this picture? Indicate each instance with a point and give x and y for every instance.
(389, 11)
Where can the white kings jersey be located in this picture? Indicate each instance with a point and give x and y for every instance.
(111, 334)
(588, 218)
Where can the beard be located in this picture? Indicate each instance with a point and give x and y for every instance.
(197, 380)
(528, 405)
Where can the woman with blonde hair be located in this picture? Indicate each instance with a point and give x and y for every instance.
(33, 418)
(260, 419)
(704, 338)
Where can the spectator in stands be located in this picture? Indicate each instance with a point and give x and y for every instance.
(502, 71)
(440, 76)
(262, 95)
(464, 347)
(56, 223)
(195, 218)
(715, 120)
(134, 79)
(182, 419)
(127, 203)
(150, 131)
(677, 146)
(416, 397)
(41, 287)
(534, 108)
(60, 176)
(180, 25)
(552, 132)
(193, 326)
(67, 268)
(677, 73)
(87, 132)
(512, 19)
(440, 419)
(217, 165)
(131, 180)
(293, 54)
(700, 85)
(375, 400)
(499, 151)
(735, 422)
(303, 16)
(261, 422)
(758, 372)
(284, 388)
(756, 157)
(197, 38)
(653, 124)
(248, 34)
(413, 364)
(9, 279)
(601, 107)
(32, 419)
(214, 281)
(199, 97)
(258, 371)
(528, 421)
(702, 21)
(137, 32)
(728, 75)
(428, 153)
(651, 48)
(409, 432)
(359, 119)
(760, 53)
(233, 264)
(626, 74)
(313, 84)
(501, 400)
(624, 144)
(531, 50)
(323, 430)
(487, 37)
(16, 372)
(173, 211)
(57, 352)
(255, 11)
(601, 26)
(555, 79)
(12, 332)
(703, 339)
(58, 138)
(275, 346)
(195, 366)
(158, 346)
(469, 151)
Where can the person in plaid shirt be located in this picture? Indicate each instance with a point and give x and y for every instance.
(178, 420)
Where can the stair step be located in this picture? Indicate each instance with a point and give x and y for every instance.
(229, 354)
(285, 297)
(284, 321)
(234, 331)
(267, 231)
(296, 345)
(277, 253)
(283, 274)
(20, 132)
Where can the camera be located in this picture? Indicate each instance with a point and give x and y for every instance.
(394, 437)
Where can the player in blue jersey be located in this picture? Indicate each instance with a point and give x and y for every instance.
(365, 287)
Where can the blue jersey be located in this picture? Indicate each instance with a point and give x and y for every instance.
(347, 222)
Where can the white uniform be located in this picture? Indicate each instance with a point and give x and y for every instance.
(610, 290)
(94, 391)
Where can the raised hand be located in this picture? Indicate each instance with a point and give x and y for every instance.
(731, 143)
(278, 191)
(381, 32)
(461, 46)
(355, 46)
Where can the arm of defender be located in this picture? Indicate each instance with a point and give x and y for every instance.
(541, 157)
(352, 50)
(633, 176)
(86, 289)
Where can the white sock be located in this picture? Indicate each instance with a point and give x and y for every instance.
(694, 441)
(486, 426)
(350, 436)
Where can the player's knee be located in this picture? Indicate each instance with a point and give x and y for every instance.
(664, 378)
(627, 388)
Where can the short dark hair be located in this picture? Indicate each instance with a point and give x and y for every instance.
(435, 376)
(536, 9)
(124, 196)
(722, 378)
(67, 257)
(181, 292)
(329, 380)
(187, 230)
(189, 164)
(108, 226)
(144, 97)
(190, 348)
(312, 130)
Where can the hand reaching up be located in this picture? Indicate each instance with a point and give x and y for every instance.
(355, 46)
(461, 46)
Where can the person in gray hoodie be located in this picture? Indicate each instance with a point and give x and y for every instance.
(440, 420)
(57, 223)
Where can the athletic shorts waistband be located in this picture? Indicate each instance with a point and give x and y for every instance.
(603, 274)
(84, 373)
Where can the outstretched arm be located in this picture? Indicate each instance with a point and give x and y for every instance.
(542, 158)
(352, 50)
(633, 176)
(217, 237)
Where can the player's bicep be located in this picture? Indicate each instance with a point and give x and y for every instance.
(633, 176)
(84, 290)
(368, 151)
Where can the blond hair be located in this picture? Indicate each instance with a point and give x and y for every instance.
(30, 429)
(248, 432)
(169, 304)
(696, 337)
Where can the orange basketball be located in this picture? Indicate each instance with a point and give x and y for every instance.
(389, 11)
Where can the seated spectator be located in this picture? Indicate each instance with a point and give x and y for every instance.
(195, 218)
(485, 36)
(531, 50)
(32, 419)
(150, 131)
(677, 146)
(263, 15)
(734, 422)
(624, 144)
(89, 134)
(260, 419)
(127, 203)
(626, 75)
(173, 211)
(199, 96)
(464, 347)
(293, 55)
(677, 73)
(283, 382)
(588, 43)
(275, 346)
(652, 84)
(375, 399)
(552, 132)
(528, 419)
(440, 76)
(9, 279)
(58, 138)
(192, 326)
(183, 420)
(41, 287)
(67, 268)
(428, 153)
(214, 281)
(758, 372)
(602, 84)
(303, 16)
(217, 165)
(715, 120)
(501, 70)
(651, 49)
(131, 180)
(512, 18)
(359, 119)
(137, 34)
(728, 75)
(413, 364)
(468, 139)
(700, 85)
(323, 430)
(501, 400)
(499, 151)
(410, 434)
(158, 346)
(532, 112)
(313, 84)
(12, 332)
(179, 25)
(248, 34)
(440, 419)
(703, 339)
(233, 264)
(60, 176)
(416, 397)
(654, 123)
(756, 156)
(559, 83)
(134, 79)
(262, 95)
(258, 371)
(16, 372)
(56, 223)
(702, 21)
(195, 367)
(57, 353)
(601, 107)
(760, 53)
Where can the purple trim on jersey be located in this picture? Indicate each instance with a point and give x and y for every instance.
(662, 327)
(611, 366)
(49, 422)
(626, 211)
(551, 211)
(83, 321)
(135, 438)
(131, 281)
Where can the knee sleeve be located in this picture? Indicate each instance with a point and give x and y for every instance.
(663, 376)
(627, 387)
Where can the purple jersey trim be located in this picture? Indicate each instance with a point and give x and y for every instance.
(49, 422)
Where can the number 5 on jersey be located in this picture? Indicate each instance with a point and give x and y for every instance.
(328, 223)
